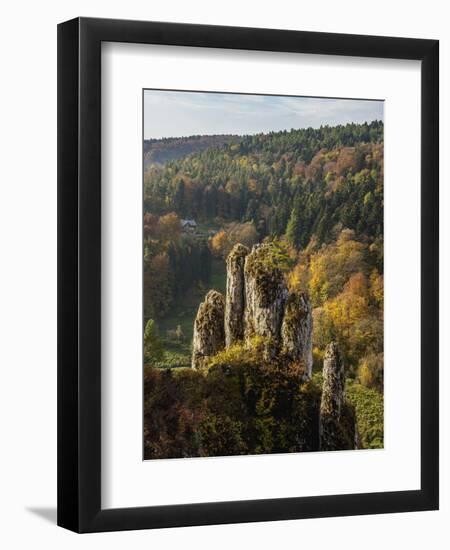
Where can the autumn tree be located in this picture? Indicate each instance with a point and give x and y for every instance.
(220, 244)
(370, 371)
(333, 264)
(169, 227)
(223, 241)
(244, 233)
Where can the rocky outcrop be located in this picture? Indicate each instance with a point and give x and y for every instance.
(209, 334)
(337, 428)
(235, 295)
(258, 303)
(265, 297)
(296, 332)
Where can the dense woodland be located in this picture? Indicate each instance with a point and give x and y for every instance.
(317, 195)
(311, 179)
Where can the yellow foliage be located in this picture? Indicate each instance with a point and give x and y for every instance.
(377, 288)
(248, 351)
(298, 278)
(232, 187)
(370, 370)
(365, 376)
(346, 310)
(357, 284)
(332, 266)
(252, 185)
(169, 227)
(352, 319)
(220, 244)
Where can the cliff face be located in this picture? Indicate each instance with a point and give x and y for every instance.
(235, 296)
(209, 334)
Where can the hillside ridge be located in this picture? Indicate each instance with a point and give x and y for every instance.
(160, 151)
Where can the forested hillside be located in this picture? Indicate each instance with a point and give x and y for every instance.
(317, 196)
(309, 179)
(160, 151)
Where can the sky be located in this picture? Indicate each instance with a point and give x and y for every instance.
(177, 114)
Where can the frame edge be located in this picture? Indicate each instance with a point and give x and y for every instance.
(67, 371)
(79, 505)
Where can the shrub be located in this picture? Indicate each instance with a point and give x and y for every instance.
(369, 408)
(220, 436)
(370, 371)
(230, 408)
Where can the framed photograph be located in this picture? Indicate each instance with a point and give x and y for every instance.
(248, 275)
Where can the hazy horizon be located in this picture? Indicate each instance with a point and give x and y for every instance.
(173, 114)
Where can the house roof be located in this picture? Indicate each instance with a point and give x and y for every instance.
(189, 222)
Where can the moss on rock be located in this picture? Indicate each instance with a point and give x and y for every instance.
(209, 334)
(265, 296)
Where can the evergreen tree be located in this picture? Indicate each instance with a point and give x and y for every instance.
(294, 228)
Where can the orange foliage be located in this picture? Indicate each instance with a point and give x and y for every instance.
(220, 244)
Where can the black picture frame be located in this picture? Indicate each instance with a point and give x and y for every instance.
(79, 274)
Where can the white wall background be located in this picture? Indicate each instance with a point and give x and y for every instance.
(28, 271)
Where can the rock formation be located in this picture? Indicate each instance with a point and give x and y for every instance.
(265, 297)
(337, 422)
(333, 382)
(296, 332)
(258, 303)
(209, 334)
(235, 296)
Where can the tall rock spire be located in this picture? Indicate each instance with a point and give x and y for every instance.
(209, 334)
(235, 295)
(265, 296)
(296, 331)
(335, 432)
